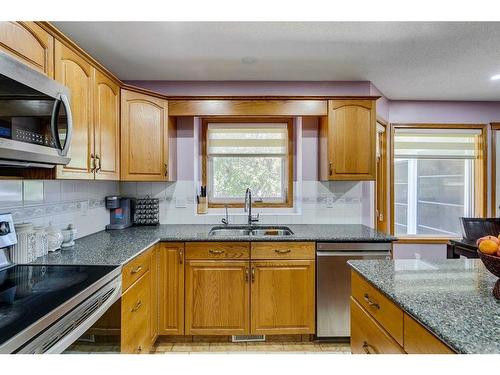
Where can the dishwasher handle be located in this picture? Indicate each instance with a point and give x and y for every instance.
(353, 253)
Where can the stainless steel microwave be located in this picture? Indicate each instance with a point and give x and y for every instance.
(35, 117)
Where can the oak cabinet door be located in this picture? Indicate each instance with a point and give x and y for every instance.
(171, 262)
(144, 138)
(154, 293)
(283, 299)
(217, 297)
(28, 43)
(351, 139)
(77, 74)
(106, 127)
(136, 317)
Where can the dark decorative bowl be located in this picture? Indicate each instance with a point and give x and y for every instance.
(492, 264)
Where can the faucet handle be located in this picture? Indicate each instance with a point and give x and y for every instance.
(255, 218)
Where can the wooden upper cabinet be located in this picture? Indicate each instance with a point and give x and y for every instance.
(283, 297)
(76, 73)
(29, 43)
(217, 297)
(144, 137)
(106, 127)
(171, 262)
(347, 141)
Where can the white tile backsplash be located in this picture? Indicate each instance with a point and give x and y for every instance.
(315, 203)
(62, 202)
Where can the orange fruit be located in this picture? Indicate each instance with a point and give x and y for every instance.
(488, 247)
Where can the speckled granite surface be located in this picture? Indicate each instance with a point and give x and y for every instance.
(117, 247)
(452, 298)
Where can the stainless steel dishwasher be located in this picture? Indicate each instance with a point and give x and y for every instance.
(333, 283)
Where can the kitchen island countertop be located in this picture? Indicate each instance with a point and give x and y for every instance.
(119, 246)
(451, 298)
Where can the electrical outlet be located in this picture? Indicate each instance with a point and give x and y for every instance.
(180, 203)
(329, 202)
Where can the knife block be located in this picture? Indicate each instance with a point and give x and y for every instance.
(202, 207)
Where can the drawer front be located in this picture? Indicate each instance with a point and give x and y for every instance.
(418, 340)
(283, 250)
(218, 250)
(134, 269)
(367, 336)
(385, 312)
(136, 317)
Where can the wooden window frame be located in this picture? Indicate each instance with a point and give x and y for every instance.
(381, 181)
(480, 171)
(290, 178)
(495, 126)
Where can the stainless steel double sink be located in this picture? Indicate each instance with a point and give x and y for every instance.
(242, 231)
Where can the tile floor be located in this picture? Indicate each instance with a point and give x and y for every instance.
(222, 347)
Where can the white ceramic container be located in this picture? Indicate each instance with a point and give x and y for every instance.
(55, 237)
(24, 251)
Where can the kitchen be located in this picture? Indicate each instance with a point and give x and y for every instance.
(147, 209)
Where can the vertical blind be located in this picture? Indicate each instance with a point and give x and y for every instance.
(247, 139)
(436, 143)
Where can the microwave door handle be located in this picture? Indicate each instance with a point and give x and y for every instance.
(61, 98)
(53, 124)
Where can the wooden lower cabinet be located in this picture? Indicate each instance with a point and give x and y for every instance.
(418, 340)
(283, 299)
(367, 336)
(171, 288)
(217, 299)
(379, 326)
(136, 317)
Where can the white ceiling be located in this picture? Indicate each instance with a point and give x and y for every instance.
(405, 60)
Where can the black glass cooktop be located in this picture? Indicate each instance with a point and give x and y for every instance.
(27, 293)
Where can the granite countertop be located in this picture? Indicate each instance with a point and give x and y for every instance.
(452, 298)
(119, 246)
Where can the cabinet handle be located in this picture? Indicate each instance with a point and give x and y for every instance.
(253, 275)
(246, 274)
(139, 348)
(282, 251)
(370, 302)
(216, 252)
(98, 164)
(181, 255)
(366, 348)
(331, 168)
(166, 169)
(92, 163)
(137, 306)
(138, 269)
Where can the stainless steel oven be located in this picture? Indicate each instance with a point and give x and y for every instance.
(35, 117)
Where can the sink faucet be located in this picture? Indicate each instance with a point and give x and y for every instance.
(248, 207)
(225, 220)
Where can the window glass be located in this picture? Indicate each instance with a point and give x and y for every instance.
(242, 155)
(433, 180)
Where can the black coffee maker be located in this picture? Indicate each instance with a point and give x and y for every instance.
(121, 212)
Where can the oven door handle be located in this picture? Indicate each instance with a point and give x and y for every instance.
(352, 253)
(61, 98)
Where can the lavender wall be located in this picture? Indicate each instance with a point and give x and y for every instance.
(382, 104)
(443, 112)
(297, 88)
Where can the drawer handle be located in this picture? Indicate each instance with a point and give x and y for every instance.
(139, 348)
(366, 347)
(370, 302)
(137, 306)
(138, 269)
(280, 251)
(216, 252)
